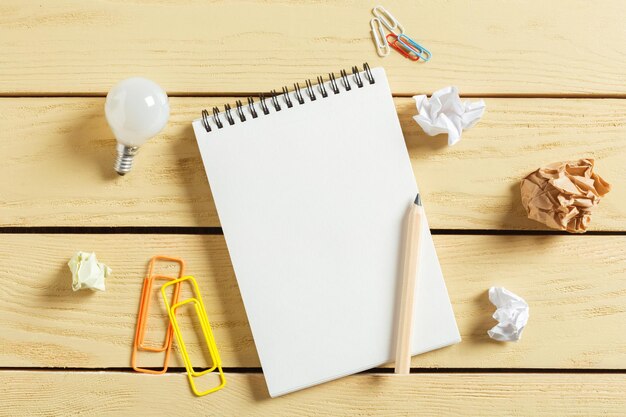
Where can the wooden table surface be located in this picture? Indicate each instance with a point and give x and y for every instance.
(553, 75)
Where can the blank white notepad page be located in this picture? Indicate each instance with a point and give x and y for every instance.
(312, 201)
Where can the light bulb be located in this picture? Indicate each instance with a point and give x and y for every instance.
(136, 110)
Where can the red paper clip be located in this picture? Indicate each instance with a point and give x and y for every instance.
(399, 46)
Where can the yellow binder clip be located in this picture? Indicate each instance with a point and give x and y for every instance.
(196, 301)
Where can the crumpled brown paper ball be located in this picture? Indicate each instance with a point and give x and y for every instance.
(562, 195)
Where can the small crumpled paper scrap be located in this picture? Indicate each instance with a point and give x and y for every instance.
(87, 272)
(561, 195)
(445, 113)
(511, 313)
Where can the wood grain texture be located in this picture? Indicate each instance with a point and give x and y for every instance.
(193, 46)
(105, 393)
(575, 285)
(59, 152)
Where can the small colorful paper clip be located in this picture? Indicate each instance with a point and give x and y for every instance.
(405, 52)
(397, 39)
(142, 317)
(382, 46)
(423, 53)
(196, 300)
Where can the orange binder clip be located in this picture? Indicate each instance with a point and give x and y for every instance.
(142, 318)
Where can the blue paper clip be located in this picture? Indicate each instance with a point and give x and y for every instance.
(423, 53)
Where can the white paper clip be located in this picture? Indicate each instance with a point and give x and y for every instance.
(382, 46)
(387, 19)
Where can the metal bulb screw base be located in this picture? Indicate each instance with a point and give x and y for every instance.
(125, 156)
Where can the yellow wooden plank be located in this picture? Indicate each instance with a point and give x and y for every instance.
(59, 152)
(488, 47)
(119, 393)
(576, 288)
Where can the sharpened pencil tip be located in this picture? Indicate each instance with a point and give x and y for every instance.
(418, 200)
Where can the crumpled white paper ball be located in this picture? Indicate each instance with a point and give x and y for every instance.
(512, 314)
(87, 272)
(445, 113)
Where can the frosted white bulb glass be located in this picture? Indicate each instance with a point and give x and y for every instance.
(136, 110)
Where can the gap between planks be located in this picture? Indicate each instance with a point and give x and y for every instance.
(256, 370)
(191, 230)
(44, 95)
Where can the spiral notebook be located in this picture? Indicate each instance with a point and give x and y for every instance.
(312, 187)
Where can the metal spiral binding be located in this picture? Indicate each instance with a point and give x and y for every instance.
(309, 90)
(229, 116)
(242, 116)
(357, 77)
(205, 120)
(333, 83)
(344, 79)
(251, 108)
(216, 117)
(275, 100)
(286, 97)
(263, 104)
(298, 93)
(320, 84)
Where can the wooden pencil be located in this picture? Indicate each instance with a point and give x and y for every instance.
(410, 277)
